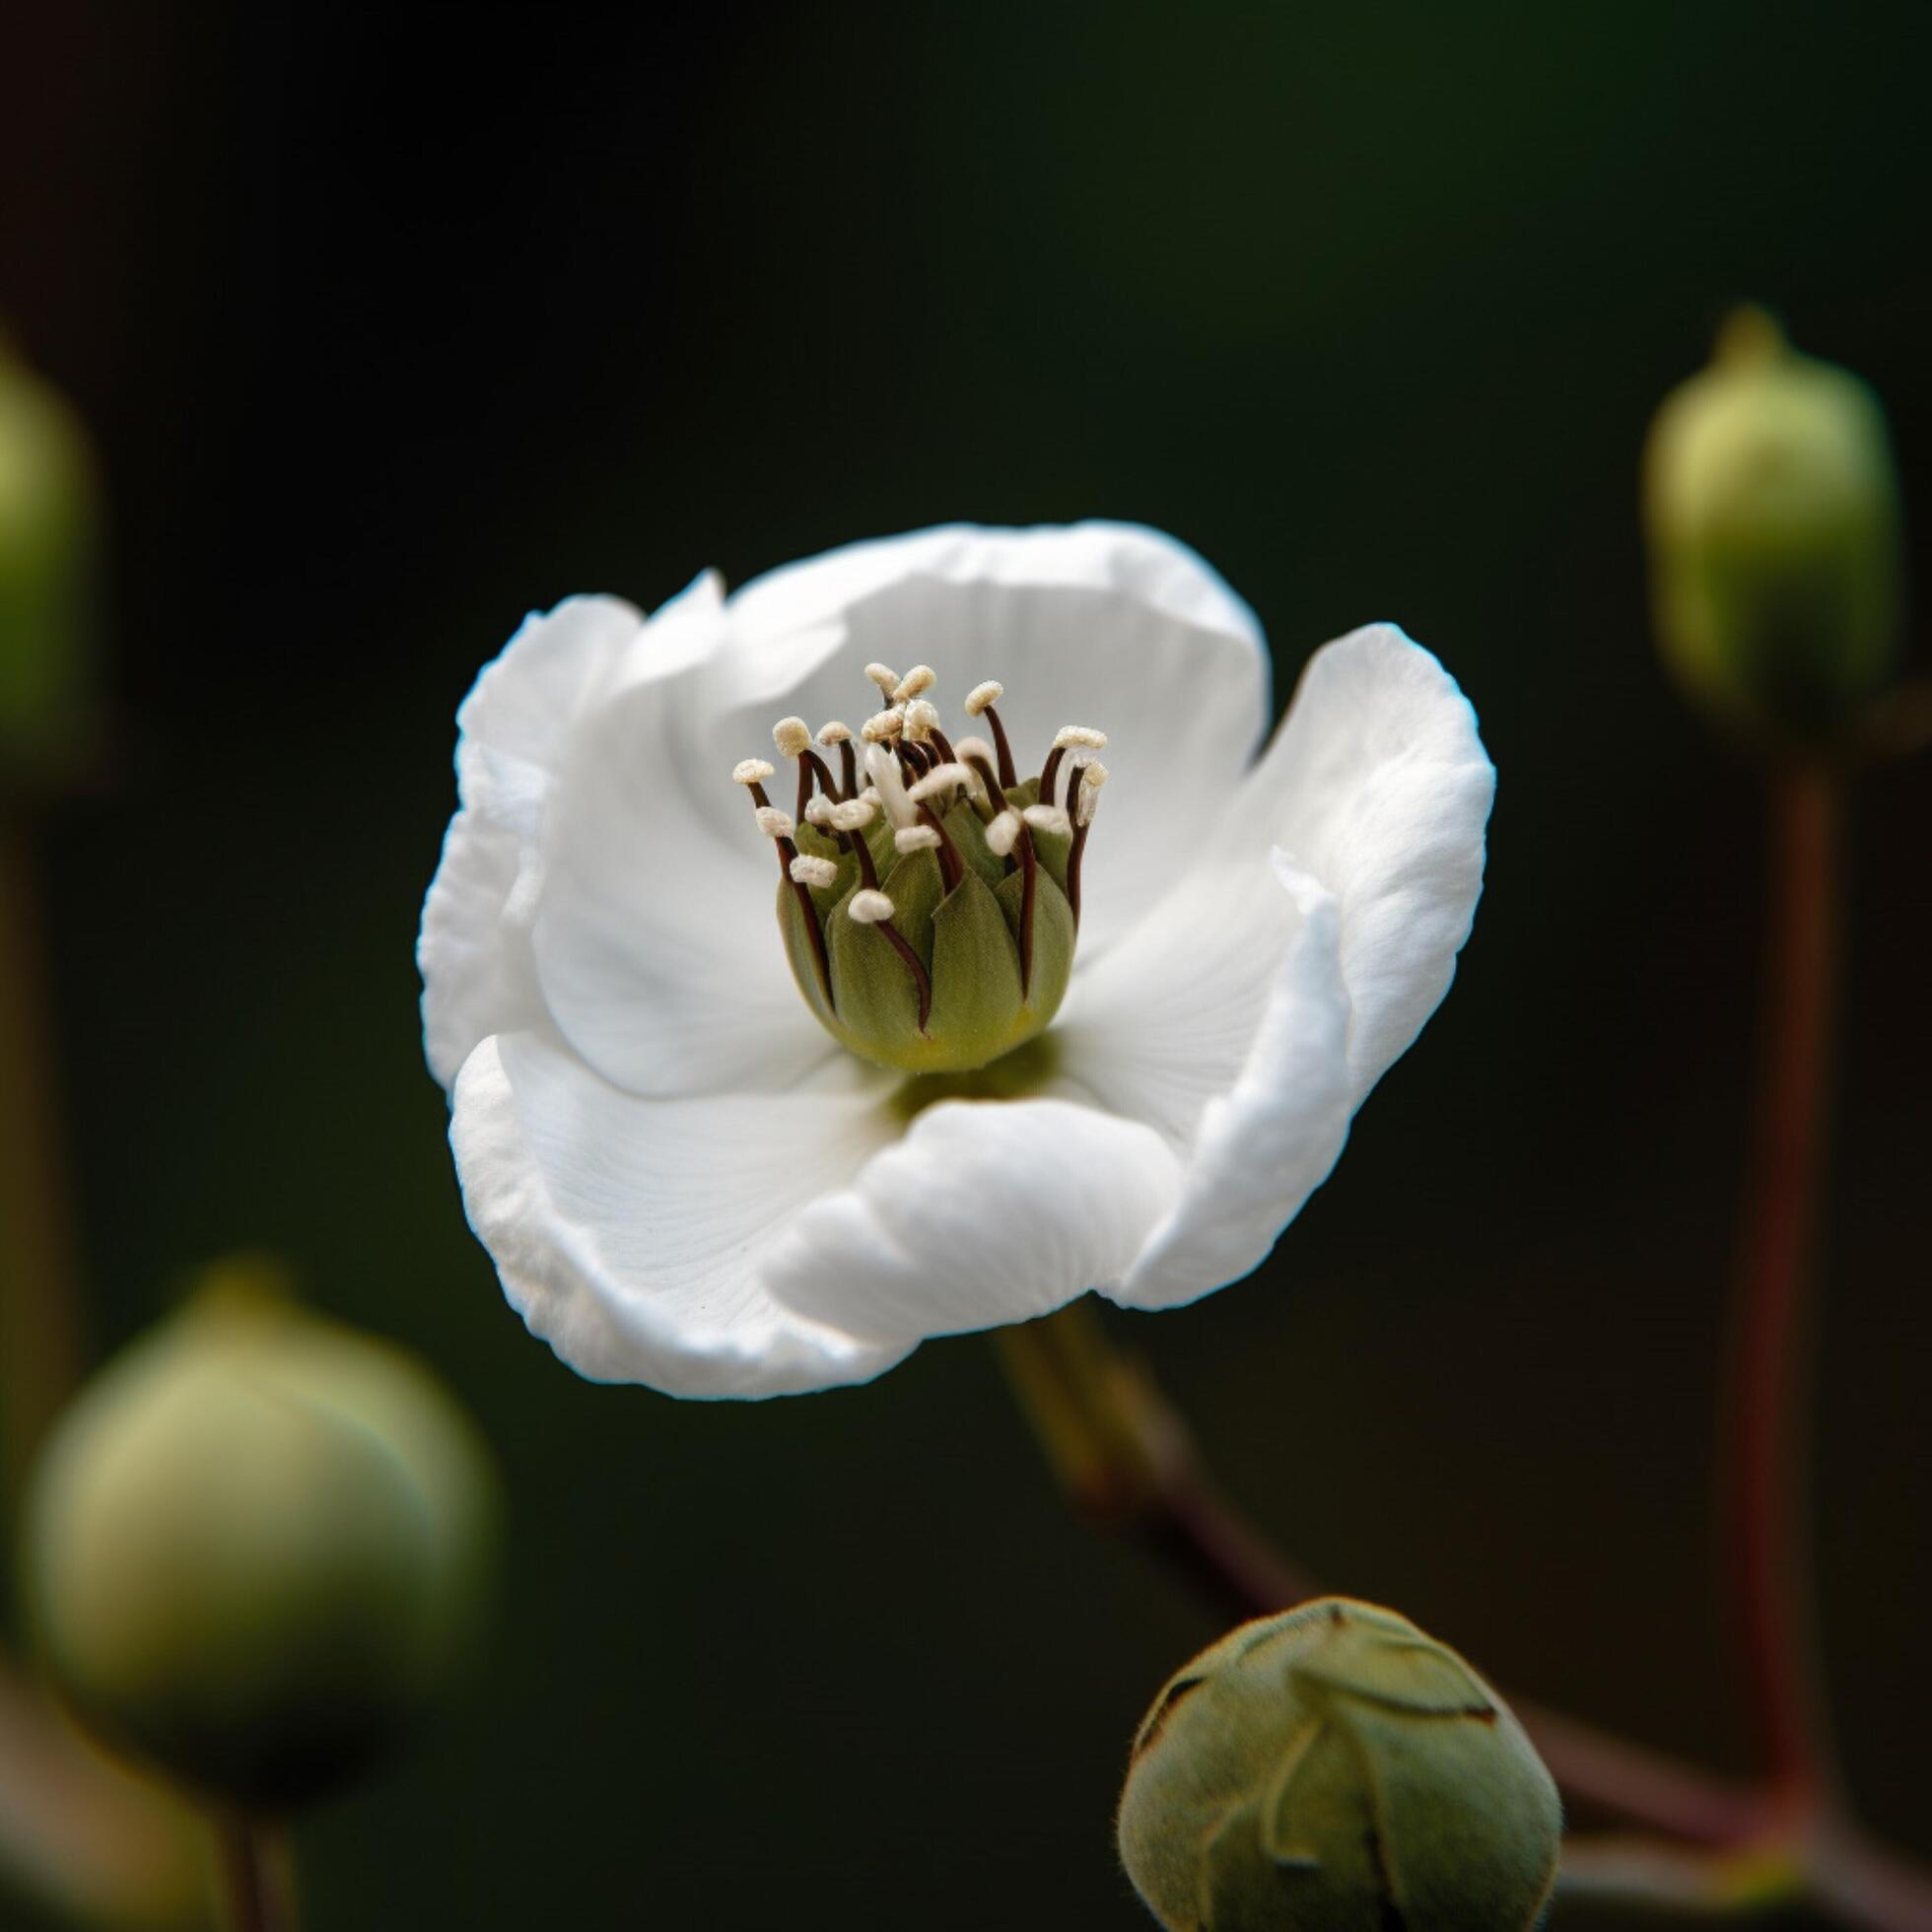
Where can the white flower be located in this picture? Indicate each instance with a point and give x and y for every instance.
(685, 1181)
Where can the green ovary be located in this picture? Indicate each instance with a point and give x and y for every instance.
(968, 940)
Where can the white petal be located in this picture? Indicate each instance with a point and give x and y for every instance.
(627, 1232)
(657, 940)
(519, 714)
(515, 729)
(1249, 1013)
(1378, 785)
(1245, 1063)
(1108, 624)
(985, 1212)
(475, 949)
(1154, 567)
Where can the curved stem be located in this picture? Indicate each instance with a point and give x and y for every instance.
(257, 1877)
(1126, 1460)
(1008, 774)
(1866, 1884)
(1124, 1457)
(1679, 1881)
(94, 1841)
(1764, 1472)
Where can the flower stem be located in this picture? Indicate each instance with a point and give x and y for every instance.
(1679, 1881)
(1765, 1456)
(258, 1876)
(93, 1840)
(1126, 1460)
(39, 1339)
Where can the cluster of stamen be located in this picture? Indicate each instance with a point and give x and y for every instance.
(901, 763)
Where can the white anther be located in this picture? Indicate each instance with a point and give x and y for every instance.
(971, 748)
(982, 695)
(883, 726)
(854, 815)
(1069, 735)
(885, 677)
(870, 795)
(750, 771)
(1048, 818)
(869, 908)
(775, 824)
(833, 732)
(1093, 774)
(808, 870)
(1085, 803)
(922, 678)
(921, 720)
(1002, 834)
(819, 809)
(915, 838)
(942, 778)
(792, 736)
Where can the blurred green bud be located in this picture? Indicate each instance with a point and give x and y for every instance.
(1333, 1768)
(1772, 515)
(256, 1544)
(47, 547)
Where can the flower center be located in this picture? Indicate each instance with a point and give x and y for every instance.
(928, 897)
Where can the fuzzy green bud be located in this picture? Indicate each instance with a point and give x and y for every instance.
(1333, 1768)
(256, 1544)
(929, 899)
(1772, 512)
(47, 547)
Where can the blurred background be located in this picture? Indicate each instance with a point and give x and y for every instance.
(390, 327)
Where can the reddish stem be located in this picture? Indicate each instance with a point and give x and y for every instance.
(40, 1331)
(953, 868)
(1764, 1481)
(1127, 1461)
(1004, 751)
(257, 1877)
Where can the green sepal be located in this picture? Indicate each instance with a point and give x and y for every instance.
(1053, 940)
(1464, 1824)
(968, 834)
(912, 881)
(800, 952)
(878, 842)
(814, 844)
(1405, 1673)
(873, 994)
(977, 1010)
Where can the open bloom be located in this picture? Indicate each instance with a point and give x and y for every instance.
(970, 1047)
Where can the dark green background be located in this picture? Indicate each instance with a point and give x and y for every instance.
(395, 329)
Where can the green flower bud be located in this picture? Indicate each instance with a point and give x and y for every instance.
(256, 1544)
(1332, 1769)
(1772, 513)
(929, 899)
(48, 543)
